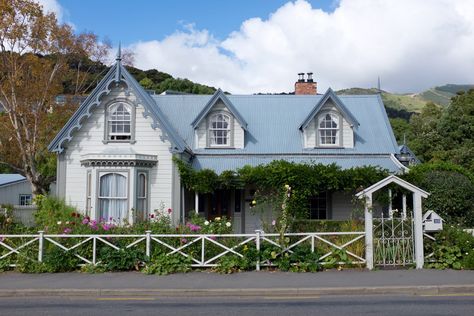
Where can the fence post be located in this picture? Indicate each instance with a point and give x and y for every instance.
(258, 232)
(148, 243)
(94, 250)
(40, 246)
(369, 238)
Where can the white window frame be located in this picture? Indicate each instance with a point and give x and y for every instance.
(101, 174)
(145, 197)
(211, 130)
(111, 137)
(88, 192)
(25, 199)
(335, 118)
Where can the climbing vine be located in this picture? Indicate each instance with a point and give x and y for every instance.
(305, 179)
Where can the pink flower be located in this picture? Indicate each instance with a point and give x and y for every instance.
(184, 240)
(273, 222)
(169, 211)
(213, 237)
(193, 227)
(67, 230)
(85, 221)
(111, 218)
(152, 215)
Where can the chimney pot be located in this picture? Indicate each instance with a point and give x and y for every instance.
(301, 77)
(303, 86)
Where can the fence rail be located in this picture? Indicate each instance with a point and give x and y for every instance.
(203, 250)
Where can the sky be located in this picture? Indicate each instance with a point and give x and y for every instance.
(251, 46)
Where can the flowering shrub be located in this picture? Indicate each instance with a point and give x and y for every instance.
(198, 224)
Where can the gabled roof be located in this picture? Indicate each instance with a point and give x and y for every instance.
(10, 178)
(116, 74)
(392, 179)
(219, 95)
(330, 95)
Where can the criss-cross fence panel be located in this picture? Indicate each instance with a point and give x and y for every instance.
(203, 250)
(332, 247)
(393, 241)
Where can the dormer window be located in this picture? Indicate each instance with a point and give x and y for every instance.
(219, 130)
(328, 130)
(119, 121)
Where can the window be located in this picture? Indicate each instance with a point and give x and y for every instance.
(113, 196)
(219, 130)
(25, 199)
(119, 121)
(142, 194)
(318, 206)
(329, 130)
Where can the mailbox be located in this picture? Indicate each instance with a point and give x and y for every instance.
(432, 222)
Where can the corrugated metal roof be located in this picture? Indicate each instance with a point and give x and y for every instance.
(273, 122)
(233, 162)
(8, 178)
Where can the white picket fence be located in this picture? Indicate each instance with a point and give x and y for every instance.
(201, 260)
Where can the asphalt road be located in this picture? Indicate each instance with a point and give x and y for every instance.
(324, 305)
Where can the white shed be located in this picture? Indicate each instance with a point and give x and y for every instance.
(15, 189)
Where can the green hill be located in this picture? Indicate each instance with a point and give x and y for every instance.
(442, 95)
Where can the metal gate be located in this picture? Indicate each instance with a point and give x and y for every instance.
(393, 241)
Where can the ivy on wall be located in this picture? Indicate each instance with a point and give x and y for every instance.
(305, 179)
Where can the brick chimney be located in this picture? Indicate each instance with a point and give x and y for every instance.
(303, 86)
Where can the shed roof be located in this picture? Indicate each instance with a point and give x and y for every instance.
(10, 178)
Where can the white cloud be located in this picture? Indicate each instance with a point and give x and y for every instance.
(410, 44)
(53, 6)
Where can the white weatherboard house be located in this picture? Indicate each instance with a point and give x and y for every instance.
(116, 152)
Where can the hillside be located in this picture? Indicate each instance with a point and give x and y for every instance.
(413, 102)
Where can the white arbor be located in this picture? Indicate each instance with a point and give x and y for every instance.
(417, 217)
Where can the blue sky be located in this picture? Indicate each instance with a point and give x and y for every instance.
(130, 21)
(250, 46)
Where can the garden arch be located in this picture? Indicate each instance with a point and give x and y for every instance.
(417, 217)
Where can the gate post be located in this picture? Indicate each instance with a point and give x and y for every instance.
(419, 252)
(369, 238)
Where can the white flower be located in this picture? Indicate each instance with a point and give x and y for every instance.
(206, 223)
(67, 223)
(217, 218)
(59, 222)
(287, 186)
(228, 224)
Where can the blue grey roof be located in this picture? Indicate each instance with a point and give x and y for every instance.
(273, 123)
(219, 95)
(234, 162)
(9, 178)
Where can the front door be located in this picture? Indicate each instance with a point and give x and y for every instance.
(218, 204)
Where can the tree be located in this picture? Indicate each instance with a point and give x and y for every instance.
(35, 51)
(456, 130)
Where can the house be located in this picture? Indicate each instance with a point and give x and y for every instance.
(115, 154)
(15, 189)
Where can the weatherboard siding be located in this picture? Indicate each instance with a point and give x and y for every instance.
(10, 193)
(89, 140)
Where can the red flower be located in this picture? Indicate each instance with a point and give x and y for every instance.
(169, 211)
(152, 215)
